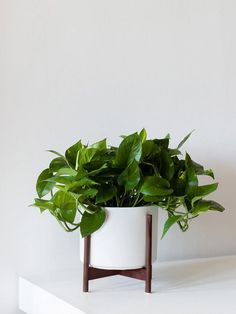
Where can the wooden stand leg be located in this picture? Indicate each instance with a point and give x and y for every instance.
(148, 265)
(86, 263)
(144, 273)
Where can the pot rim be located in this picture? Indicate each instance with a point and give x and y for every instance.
(130, 207)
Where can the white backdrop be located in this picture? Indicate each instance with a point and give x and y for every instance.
(93, 69)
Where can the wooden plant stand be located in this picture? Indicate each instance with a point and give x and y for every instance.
(144, 273)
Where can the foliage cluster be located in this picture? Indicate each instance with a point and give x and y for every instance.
(77, 186)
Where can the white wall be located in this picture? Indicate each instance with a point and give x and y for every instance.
(90, 69)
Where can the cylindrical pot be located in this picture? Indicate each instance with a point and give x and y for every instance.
(120, 243)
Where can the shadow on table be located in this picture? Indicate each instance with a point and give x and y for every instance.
(195, 275)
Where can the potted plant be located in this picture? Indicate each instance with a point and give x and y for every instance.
(106, 191)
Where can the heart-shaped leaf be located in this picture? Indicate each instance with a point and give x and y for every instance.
(92, 222)
(43, 187)
(66, 203)
(129, 150)
(130, 177)
(169, 223)
(155, 186)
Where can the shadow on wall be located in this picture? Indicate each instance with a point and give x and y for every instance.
(213, 232)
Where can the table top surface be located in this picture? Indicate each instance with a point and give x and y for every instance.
(206, 286)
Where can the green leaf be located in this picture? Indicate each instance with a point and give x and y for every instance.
(167, 167)
(179, 184)
(209, 172)
(143, 135)
(72, 154)
(155, 186)
(169, 223)
(67, 171)
(43, 204)
(191, 177)
(101, 145)
(42, 186)
(92, 222)
(203, 190)
(204, 205)
(174, 152)
(81, 172)
(152, 199)
(57, 164)
(130, 177)
(129, 150)
(66, 203)
(61, 179)
(56, 153)
(199, 169)
(86, 155)
(87, 192)
(105, 193)
(82, 182)
(97, 171)
(184, 140)
(83, 188)
(162, 143)
(148, 149)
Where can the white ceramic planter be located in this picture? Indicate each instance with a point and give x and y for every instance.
(120, 242)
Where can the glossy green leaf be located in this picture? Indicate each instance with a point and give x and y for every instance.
(66, 203)
(143, 135)
(61, 179)
(129, 150)
(88, 192)
(67, 171)
(162, 143)
(169, 223)
(191, 177)
(81, 173)
(92, 222)
(56, 153)
(152, 199)
(209, 172)
(97, 171)
(130, 177)
(179, 184)
(148, 149)
(101, 145)
(83, 182)
(105, 193)
(199, 169)
(184, 140)
(203, 190)
(57, 163)
(205, 205)
(43, 204)
(86, 155)
(167, 168)
(154, 186)
(72, 154)
(44, 187)
(174, 152)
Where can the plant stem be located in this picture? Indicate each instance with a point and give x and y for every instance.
(71, 229)
(136, 200)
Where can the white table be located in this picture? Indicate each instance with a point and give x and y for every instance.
(203, 286)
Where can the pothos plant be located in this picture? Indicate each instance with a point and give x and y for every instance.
(77, 186)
